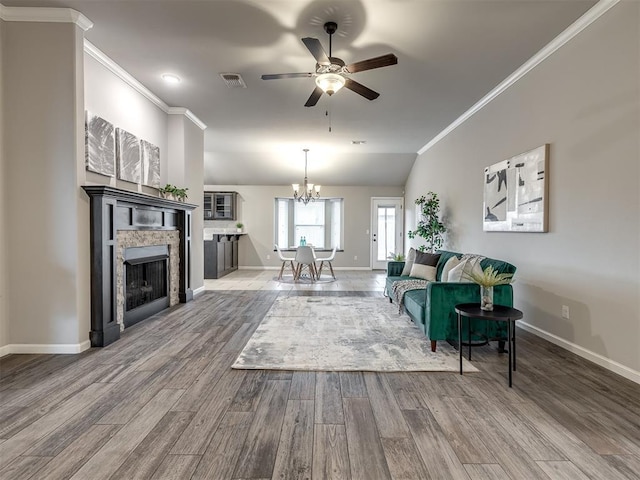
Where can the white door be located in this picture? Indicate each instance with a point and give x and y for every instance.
(386, 230)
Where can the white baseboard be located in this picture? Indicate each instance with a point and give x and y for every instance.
(596, 358)
(198, 291)
(45, 348)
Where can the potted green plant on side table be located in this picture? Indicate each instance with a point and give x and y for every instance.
(487, 279)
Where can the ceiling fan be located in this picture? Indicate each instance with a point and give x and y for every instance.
(331, 72)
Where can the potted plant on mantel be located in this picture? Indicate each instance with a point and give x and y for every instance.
(429, 226)
(239, 227)
(169, 191)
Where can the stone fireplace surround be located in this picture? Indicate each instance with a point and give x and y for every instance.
(121, 219)
(137, 238)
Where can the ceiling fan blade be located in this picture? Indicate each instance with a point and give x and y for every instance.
(376, 62)
(360, 89)
(315, 96)
(276, 76)
(315, 47)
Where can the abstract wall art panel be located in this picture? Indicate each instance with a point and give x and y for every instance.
(100, 145)
(516, 193)
(150, 164)
(128, 153)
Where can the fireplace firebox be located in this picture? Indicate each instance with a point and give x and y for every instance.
(146, 281)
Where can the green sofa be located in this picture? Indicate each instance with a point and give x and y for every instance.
(432, 308)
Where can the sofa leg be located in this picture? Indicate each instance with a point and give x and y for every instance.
(433, 345)
(390, 301)
(501, 348)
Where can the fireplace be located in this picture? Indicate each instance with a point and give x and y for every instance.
(140, 258)
(146, 282)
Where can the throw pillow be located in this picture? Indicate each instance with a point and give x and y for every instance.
(451, 263)
(408, 263)
(424, 266)
(468, 263)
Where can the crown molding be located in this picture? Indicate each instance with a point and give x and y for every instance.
(45, 14)
(187, 113)
(126, 77)
(574, 29)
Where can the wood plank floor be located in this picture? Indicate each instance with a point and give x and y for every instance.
(163, 403)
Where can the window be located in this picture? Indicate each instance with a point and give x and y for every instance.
(386, 232)
(320, 222)
(308, 222)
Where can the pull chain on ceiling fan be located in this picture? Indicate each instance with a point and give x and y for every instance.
(331, 73)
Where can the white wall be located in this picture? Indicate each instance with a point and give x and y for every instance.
(186, 147)
(193, 175)
(584, 101)
(4, 321)
(256, 211)
(108, 96)
(40, 75)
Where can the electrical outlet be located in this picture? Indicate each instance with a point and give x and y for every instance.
(355, 258)
(268, 257)
(565, 311)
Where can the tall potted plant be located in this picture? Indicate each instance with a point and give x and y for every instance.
(429, 226)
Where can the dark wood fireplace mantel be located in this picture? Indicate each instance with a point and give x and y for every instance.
(114, 209)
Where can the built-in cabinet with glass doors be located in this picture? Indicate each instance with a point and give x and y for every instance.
(220, 205)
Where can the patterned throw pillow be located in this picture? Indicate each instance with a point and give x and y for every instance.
(468, 263)
(450, 265)
(424, 266)
(411, 256)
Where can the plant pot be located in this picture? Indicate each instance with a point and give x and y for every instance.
(486, 298)
(239, 230)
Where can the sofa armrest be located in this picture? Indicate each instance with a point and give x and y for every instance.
(394, 269)
(441, 321)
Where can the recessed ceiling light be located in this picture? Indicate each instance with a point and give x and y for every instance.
(358, 142)
(171, 78)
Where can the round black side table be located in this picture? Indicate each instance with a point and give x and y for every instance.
(499, 313)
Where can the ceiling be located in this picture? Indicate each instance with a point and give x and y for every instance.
(450, 54)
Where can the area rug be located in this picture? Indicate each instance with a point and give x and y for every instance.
(343, 334)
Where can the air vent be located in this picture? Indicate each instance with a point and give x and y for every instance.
(233, 80)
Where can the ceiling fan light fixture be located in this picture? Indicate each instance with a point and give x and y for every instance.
(330, 83)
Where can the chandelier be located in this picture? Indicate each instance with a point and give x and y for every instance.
(309, 191)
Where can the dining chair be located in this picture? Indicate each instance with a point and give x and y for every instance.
(284, 263)
(328, 261)
(306, 258)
